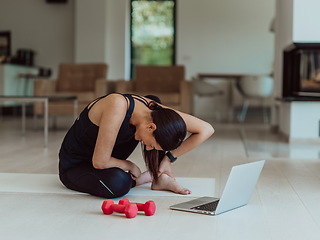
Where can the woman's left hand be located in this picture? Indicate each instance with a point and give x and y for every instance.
(165, 167)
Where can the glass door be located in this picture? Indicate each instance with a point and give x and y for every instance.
(152, 33)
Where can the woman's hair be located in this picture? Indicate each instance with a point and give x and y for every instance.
(169, 134)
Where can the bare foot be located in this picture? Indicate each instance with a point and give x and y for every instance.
(145, 177)
(165, 182)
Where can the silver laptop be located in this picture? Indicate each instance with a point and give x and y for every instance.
(237, 192)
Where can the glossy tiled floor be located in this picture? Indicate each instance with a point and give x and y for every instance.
(285, 204)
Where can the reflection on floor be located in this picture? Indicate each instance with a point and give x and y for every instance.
(260, 142)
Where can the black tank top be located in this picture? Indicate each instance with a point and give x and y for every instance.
(79, 142)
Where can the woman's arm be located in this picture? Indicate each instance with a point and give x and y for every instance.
(108, 114)
(200, 131)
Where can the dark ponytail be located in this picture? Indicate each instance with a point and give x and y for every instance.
(170, 133)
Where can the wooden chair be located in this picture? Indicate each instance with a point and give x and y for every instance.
(86, 81)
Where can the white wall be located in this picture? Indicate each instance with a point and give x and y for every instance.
(46, 28)
(90, 31)
(283, 37)
(227, 36)
(212, 35)
(306, 20)
(118, 39)
(299, 121)
(305, 120)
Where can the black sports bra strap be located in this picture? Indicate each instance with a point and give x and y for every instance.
(131, 104)
(127, 96)
(141, 99)
(95, 101)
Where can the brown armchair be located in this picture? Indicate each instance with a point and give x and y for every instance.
(166, 82)
(86, 81)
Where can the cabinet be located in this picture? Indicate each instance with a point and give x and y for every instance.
(12, 82)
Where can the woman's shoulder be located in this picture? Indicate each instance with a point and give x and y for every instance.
(111, 105)
(116, 99)
(110, 101)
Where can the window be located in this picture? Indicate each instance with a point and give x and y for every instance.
(152, 32)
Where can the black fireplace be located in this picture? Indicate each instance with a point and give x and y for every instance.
(301, 72)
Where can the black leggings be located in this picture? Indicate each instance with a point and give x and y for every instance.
(106, 183)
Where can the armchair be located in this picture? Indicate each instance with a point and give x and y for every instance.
(166, 82)
(86, 81)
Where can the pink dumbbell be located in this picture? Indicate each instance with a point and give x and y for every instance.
(130, 209)
(149, 208)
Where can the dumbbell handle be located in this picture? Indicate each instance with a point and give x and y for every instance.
(126, 201)
(140, 206)
(149, 207)
(119, 208)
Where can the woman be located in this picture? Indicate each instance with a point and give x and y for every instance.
(94, 153)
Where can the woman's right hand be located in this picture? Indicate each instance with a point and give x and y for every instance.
(133, 169)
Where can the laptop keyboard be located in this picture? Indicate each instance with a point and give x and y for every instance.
(211, 206)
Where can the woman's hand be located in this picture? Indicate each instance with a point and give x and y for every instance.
(133, 169)
(165, 167)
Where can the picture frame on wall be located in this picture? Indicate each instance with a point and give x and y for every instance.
(5, 45)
